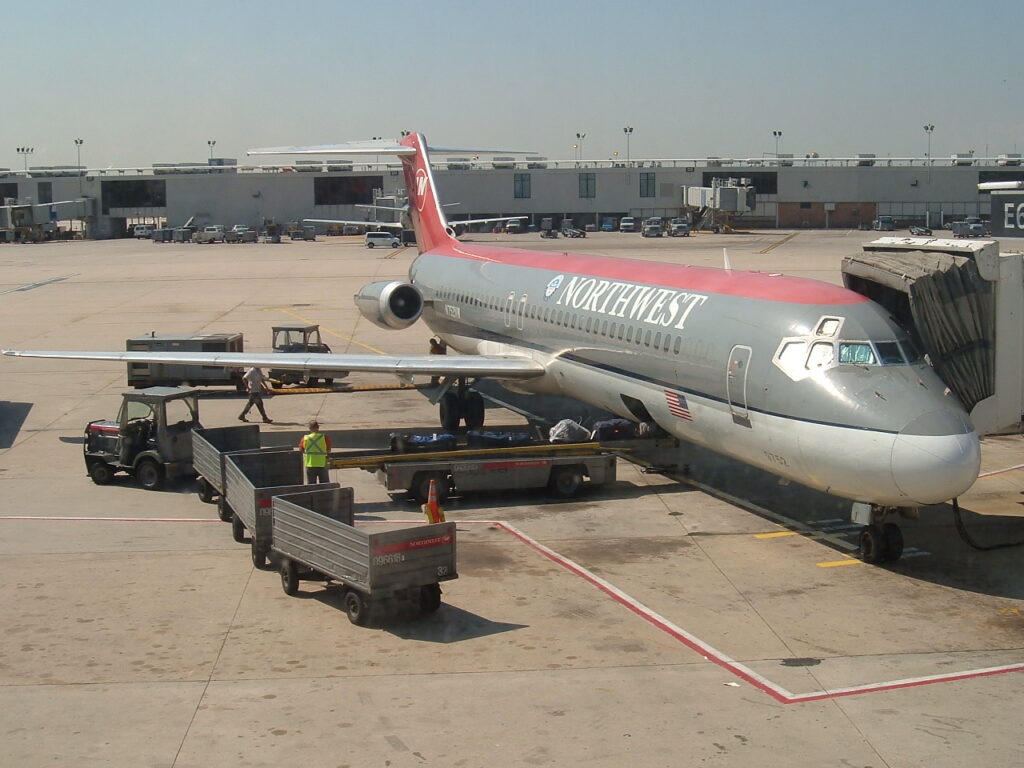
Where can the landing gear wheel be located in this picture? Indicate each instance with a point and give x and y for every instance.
(259, 554)
(355, 607)
(893, 537)
(566, 482)
(311, 381)
(224, 511)
(101, 473)
(328, 382)
(149, 475)
(205, 490)
(430, 597)
(872, 543)
(450, 410)
(289, 577)
(473, 410)
(237, 529)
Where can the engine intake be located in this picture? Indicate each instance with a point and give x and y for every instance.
(392, 304)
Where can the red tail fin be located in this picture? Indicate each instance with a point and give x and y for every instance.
(424, 208)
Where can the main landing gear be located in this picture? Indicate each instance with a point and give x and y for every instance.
(460, 403)
(880, 541)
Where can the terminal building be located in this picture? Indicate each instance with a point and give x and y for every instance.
(809, 192)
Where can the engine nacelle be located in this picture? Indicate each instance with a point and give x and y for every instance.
(390, 304)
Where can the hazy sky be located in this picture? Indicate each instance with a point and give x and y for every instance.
(143, 82)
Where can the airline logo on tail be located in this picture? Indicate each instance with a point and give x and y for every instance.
(421, 188)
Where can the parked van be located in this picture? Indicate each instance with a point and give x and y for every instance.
(143, 231)
(627, 224)
(383, 239)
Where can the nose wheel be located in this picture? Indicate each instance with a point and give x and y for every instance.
(881, 543)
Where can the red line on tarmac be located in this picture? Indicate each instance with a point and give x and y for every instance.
(1000, 471)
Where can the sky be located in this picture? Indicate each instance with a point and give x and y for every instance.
(145, 82)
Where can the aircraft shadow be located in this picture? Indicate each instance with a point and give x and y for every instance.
(12, 418)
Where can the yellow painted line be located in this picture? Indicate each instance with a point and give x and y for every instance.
(396, 252)
(837, 563)
(323, 329)
(783, 241)
(777, 535)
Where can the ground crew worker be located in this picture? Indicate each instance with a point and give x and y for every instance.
(315, 447)
(256, 384)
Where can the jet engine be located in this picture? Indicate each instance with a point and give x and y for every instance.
(393, 305)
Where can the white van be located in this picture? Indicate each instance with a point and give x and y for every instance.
(383, 239)
(143, 230)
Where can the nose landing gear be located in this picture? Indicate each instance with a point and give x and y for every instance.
(880, 541)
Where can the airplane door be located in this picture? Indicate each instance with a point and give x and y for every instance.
(510, 303)
(736, 384)
(522, 312)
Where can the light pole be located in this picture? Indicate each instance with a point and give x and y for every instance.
(211, 144)
(928, 132)
(576, 153)
(78, 149)
(581, 137)
(777, 135)
(628, 130)
(25, 152)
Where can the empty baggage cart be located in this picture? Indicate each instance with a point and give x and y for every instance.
(376, 567)
(209, 448)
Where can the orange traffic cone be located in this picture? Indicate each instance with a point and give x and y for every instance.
(432, 509)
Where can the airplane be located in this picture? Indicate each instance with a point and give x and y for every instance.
(806, 380)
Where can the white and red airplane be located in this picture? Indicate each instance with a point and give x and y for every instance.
(806, 380)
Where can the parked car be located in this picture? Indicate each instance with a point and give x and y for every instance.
(884, 224)
(382, 239)
(679, 228)
(627, 224)
(652, 227)
(608, 225)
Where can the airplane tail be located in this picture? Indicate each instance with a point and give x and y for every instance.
(428, 219)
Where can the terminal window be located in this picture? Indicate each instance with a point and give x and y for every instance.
(588, 185)
(355, 190)
(135, 193)
(646, 185)
(521, 186)
(9, 189)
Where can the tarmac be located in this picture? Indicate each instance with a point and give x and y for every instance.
(712, 617)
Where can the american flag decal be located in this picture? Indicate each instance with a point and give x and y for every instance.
(677, 405)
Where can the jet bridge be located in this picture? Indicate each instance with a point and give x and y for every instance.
(962, 303)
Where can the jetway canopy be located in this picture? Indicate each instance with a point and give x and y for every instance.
(961, 303)
(944, 303)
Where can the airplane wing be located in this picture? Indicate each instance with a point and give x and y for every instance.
(389, 224)
(472, 366)
(456, 222)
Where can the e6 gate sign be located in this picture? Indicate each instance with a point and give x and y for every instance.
(1007, 216)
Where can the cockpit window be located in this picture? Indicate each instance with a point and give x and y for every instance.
(857, 353)
(889, 352)
(910, 352)
(822, 355)
(829, 326)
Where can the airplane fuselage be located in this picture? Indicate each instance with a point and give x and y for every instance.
(804, 379)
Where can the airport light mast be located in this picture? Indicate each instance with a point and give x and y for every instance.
(628, 130)
(25, 152)
(78, 150)
(928, 132)
(211, 144)
(777, 135)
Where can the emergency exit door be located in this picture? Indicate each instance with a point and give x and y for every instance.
(736, 384)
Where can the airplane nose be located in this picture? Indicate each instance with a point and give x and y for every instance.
(936, 457)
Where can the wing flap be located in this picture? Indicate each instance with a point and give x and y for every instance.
(477, 366)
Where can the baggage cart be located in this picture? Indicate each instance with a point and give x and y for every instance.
(251, 480)
(209, 448)
(407, 563)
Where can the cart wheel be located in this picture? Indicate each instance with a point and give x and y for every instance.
(311, 381)
(289, 577)
(149, 475)
(205, 490)
(430, 597)
(101, 473)
(355, 607)
(224, 510)
(259, 554)
(566, 481)
(328, 382)
(237, 528)
(421, 486)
